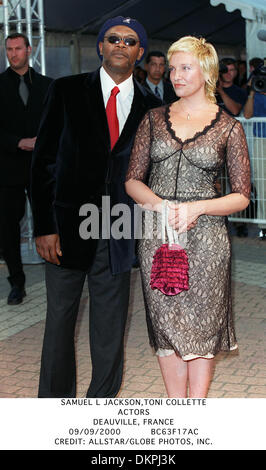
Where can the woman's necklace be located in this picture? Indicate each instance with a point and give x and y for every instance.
(186, 112)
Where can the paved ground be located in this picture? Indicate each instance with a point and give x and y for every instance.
(240, 374)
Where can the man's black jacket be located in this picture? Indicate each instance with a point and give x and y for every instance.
(18, 121)
(73, 165)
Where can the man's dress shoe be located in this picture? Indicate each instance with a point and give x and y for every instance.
(16, 295)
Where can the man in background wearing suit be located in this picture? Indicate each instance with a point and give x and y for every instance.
(155, 67)
(22, 93)
(81, 155)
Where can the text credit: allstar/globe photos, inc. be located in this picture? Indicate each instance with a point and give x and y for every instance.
(131, 423)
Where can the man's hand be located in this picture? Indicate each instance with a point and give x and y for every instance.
(27, 144)
(48, 247)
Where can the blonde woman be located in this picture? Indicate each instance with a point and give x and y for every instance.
(178, 154)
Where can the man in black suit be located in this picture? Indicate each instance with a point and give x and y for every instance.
(77, 168)
(22, 92)
(155, 67)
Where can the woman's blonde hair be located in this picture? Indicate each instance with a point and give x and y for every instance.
(207, 57)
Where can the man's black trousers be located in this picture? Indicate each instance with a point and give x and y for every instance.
(108, 306)
(12, 210)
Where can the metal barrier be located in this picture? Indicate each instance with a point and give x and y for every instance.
(255, 130)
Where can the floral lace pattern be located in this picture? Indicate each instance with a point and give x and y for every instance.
(197, 322)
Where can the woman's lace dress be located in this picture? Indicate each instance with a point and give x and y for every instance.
(197, 322)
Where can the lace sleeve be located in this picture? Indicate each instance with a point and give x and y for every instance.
(237, 159)
(140, 155)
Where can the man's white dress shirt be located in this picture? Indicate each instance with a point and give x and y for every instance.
(124, 99)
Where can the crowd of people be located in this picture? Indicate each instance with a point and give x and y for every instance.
(129, 133)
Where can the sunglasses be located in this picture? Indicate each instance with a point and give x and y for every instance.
(128, 41)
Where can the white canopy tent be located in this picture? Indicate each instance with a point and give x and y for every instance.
(200, 17)
(254, 13)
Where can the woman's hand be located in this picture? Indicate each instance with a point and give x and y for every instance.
(183, 217)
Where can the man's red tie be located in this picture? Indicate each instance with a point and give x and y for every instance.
(112, 116)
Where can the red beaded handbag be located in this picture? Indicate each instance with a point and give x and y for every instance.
(169, 272)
